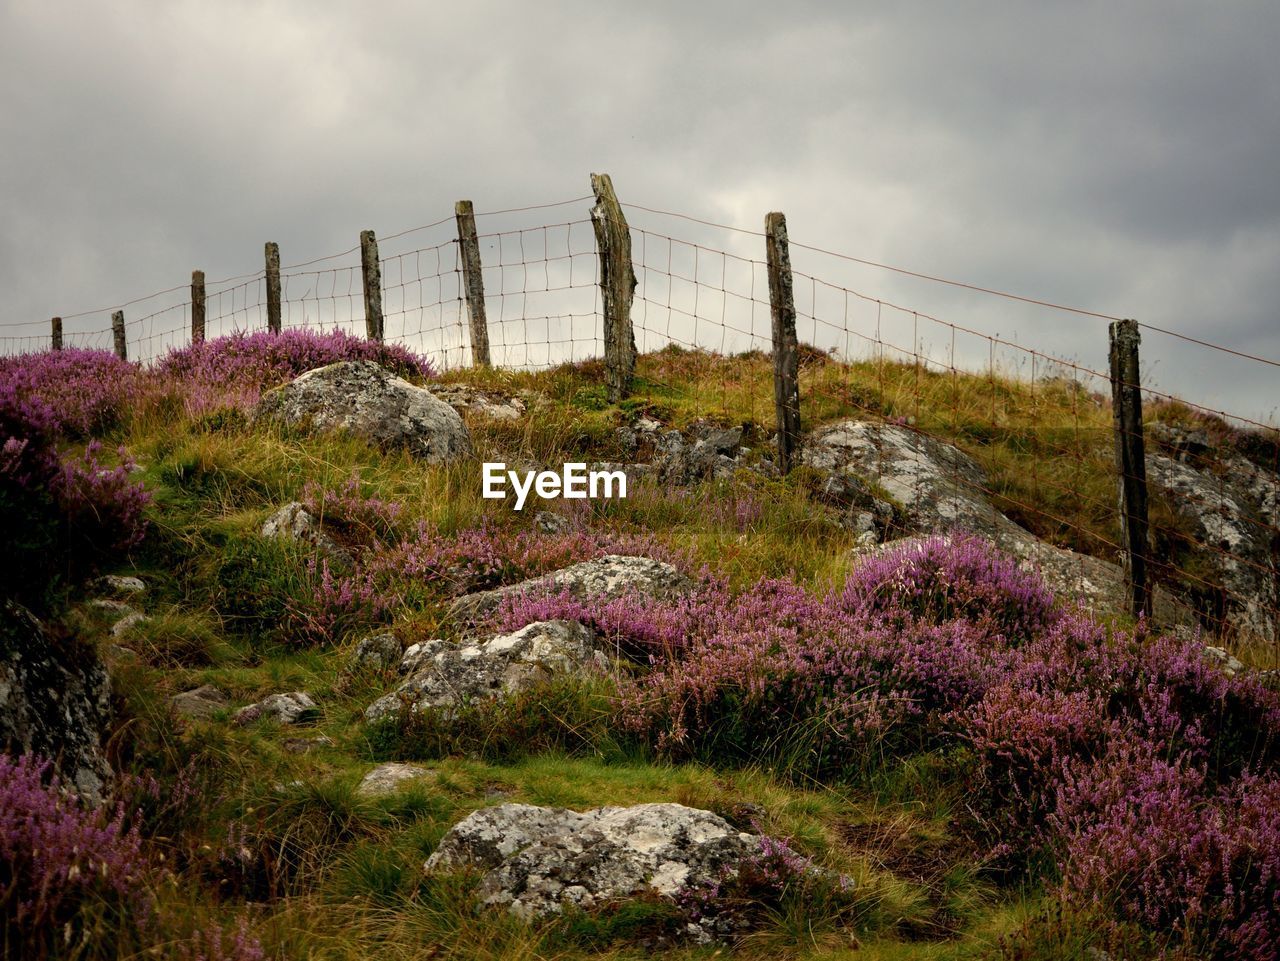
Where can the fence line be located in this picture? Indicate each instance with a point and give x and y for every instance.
(1036, 429)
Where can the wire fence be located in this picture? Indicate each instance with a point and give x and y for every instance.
(958, 426)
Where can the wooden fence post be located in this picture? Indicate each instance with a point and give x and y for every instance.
(617, 286)
(197, 306)
(786, 359)
(469, 248)
(372, 272)
(56, 333)
(1131, 464)
(117, 334)
(273, 286)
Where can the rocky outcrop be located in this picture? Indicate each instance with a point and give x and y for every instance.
(601, 579)
(937, 488)
(465, 399)
(448, 676)
(536, 860)
(55, 700)
(1229, 507)
(367, 400)
(296, 707)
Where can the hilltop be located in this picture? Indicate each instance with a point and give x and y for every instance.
(294, 650)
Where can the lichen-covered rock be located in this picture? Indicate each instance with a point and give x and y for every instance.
(1231, 510)
(463, 398)
(117, 584)
(603, 578)
(295, 707)
(389, 778)
(200, 703)
(294, 522)
(381, 652)
(938, 489)
(536, 860)
(55, 700)
(448, 676)
(364, 398)
(708, 451)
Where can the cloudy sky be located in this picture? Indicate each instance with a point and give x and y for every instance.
(1120, 157)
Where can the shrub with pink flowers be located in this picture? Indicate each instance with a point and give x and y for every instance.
(63, 865)
(234, 370)
(959, 577)
(83, 392)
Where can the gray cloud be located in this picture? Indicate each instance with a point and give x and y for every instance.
(1115, 156)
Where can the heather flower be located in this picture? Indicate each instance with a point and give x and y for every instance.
(234, 370)
(59, 859)
(83, 392)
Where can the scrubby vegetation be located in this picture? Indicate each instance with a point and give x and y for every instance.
(954, 763)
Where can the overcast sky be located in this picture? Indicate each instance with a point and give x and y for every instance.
(1120, 157)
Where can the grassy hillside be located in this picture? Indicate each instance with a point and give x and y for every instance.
(254, 847)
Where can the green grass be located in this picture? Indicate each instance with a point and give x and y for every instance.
(332, 875)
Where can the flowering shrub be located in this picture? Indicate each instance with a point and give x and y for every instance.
(337, 604)
(58, 510)
(234, 370)
(81, 391)
(366, 516)
(59, 860)
(952, 578)
(1143, 836)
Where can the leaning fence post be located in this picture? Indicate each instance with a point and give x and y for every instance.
(272, 251)
(786, 359)
(617, 286)
(1126, 402)
(56, 333)
(372, 272)
(469, 245)
(117, 334)
(197, 306)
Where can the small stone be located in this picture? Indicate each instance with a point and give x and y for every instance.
(1230, 666)
(380, 652)
(127, 623)
(549, 522)
(389, 778)
(115, 607)
(305, 745)
(295, 707)
(202, 703)
(119, 584)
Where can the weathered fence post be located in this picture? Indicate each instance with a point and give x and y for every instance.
(372, 272)
(197, 306)
(617, 286)
(1126, 402)
(786, 359)
(469, 247)
(272, 251)
(117, 334)
(56, 333)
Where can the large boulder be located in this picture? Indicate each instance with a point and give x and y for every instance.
(536, 859)
(448, 676)
(939, 489)
(55, 700)
(364, 398)
(1230, 507)
(601, 579)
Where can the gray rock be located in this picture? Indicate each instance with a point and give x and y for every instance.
(201, 703)
(112, 606)
(549, 522)
(367, 400)
(1230, 666)
(389, 778)
(55, 700)
(709, 451)
(127, 623)
(1231, 509)
(940, 489)
(380, 652)
(601, 579)
(295, 523)
(295, 707)
(119, 584)
(467, 399)
(448, 676)
(305, 745)
(536, 860)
